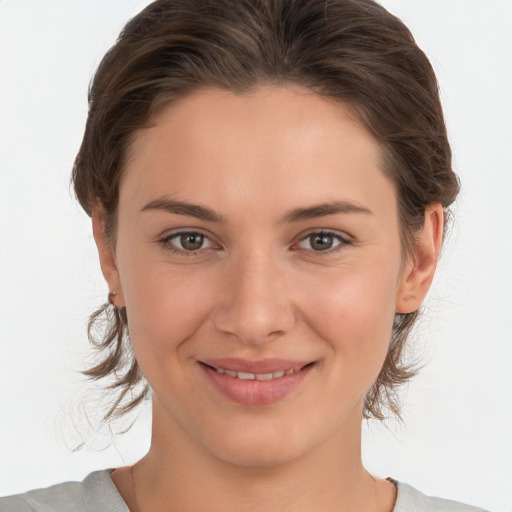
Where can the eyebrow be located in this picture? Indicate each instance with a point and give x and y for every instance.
(296, 215)
(324, 209)
(182, 208)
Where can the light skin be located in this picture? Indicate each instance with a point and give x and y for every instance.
(261, 271)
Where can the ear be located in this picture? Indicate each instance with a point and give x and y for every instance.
(419, 270)
(107, 257)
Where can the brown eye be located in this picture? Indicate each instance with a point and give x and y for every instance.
(323, 241)
(191, 241)
(187, 243)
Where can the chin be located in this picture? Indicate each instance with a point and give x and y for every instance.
(259, 444)
(257, 455)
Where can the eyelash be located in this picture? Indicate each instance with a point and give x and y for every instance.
(165, 243)
(343, 242)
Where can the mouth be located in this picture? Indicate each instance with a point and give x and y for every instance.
(256, 376)
(256, 383)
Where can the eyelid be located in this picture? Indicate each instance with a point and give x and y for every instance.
(165, 241)
(343, 238)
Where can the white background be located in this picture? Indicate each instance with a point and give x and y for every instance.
(457, 438)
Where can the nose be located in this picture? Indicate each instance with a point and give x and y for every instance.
(256, 304)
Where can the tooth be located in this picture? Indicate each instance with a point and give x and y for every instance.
(246, 376)
(265, 376)
(258, 376)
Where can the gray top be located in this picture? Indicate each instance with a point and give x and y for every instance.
(98, 493)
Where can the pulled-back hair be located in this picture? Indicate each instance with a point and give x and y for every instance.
(351, 51)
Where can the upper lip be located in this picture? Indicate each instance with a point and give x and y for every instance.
(251, 366)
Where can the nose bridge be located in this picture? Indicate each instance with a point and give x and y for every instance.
(257, 304)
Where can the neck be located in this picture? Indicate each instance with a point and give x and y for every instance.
(178, 475)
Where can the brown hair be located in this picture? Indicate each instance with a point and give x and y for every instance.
(352, 51)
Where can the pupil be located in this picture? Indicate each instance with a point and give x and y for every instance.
(192, 241)
(322, 242)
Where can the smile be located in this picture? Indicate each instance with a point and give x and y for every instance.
(257, 376)
(256, 384)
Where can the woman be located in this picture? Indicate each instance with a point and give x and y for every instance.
(269, 184)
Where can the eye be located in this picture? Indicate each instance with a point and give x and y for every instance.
(323, 241)
(186, 242)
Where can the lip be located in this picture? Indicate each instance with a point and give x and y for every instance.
(255, 393)
(238, 364)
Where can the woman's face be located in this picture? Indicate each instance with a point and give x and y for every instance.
(258, 255)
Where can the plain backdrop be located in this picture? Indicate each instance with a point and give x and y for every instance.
(457, 437)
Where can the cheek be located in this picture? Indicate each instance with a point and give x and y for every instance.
(353, 313)
(165, 307)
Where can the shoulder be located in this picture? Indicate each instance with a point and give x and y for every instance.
(411, 500)
(57, 497)
(96, 492)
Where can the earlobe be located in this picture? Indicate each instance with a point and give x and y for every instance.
(419, 271)
(107, 258)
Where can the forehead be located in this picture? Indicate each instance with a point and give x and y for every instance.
(287, 144)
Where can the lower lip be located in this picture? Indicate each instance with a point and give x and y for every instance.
(255, 393)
